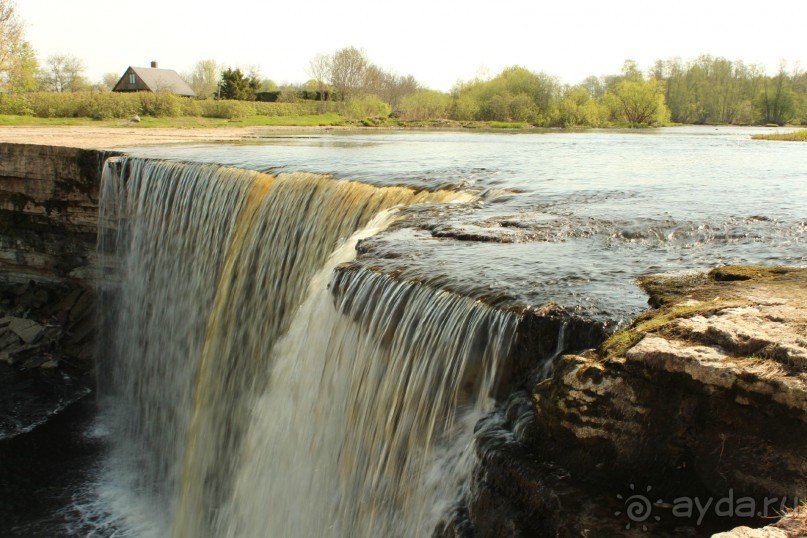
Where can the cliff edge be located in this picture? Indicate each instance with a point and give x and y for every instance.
(688, 422)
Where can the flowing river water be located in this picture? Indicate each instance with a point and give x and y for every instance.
(303, 331)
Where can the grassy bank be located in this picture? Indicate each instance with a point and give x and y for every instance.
(798, 136)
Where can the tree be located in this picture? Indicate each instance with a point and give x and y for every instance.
(204, 79)
(397, 87)
(10, 34)
(108, 82)
(631, 71)
(424, 105)
(63, 73)
(348, 70)
(639, 102)
(236, 85)
(577, 108)
(594, 86)
(776, 102)
(23, 70)
(267, 85)
(18, 64)
(516, 94)
(319, 68)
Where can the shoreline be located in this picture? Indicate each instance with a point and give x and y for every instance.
(109, 137)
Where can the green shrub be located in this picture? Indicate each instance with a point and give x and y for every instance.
(300, 108)
(191, 107)
(424, 105)
(227, 109)
(15, 105)
(104, 106)
(160, 105)
(113, 105)
(55, 105)
(368, 106)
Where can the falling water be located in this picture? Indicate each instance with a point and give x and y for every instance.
(166, 229)
(365, 427)
(251, 398)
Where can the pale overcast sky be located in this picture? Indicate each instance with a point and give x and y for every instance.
(437, 41)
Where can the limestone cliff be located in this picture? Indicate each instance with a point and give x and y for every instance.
(701, 400)
(48, 213)
(48, 229)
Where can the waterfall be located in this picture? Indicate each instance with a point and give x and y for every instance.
(365, 429)
(256, 391)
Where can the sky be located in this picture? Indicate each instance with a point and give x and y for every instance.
(439, 42)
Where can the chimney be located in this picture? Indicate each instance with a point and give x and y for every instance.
(154, 64)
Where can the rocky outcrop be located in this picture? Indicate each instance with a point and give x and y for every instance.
(48, 213)
(47, 343)
(792, 525)
(712, 385)
(48, 228)
(689, 421)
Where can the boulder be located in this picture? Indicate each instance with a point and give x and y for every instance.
(702, 399)
(28, 330)
(705, 395)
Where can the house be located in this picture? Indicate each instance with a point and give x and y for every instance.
(153, 79)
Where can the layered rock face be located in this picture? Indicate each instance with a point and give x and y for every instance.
(48, 229)
(48, 213)
(711, 386)
(690, 421)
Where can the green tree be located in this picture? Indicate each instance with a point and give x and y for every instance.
(639, 102)
(594, 86)
(18, 64)
(516, 94)
(368, 106)
(799, 86)
(10, 36)
(776, 102)
(22, 75)
(236, 85)
(578, 109)
(424, 105)
(631, 71)
(108, 82)
(267, 85)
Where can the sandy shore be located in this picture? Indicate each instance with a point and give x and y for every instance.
(108, 137)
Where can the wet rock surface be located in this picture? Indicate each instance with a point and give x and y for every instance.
(46, 346)
(700, 402)
(48, 228)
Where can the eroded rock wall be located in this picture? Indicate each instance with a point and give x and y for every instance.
(48, 229)
(48, 213)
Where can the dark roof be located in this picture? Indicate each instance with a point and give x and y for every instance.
(155, 79)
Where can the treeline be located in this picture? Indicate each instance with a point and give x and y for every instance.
(712, 90)
(706, 90)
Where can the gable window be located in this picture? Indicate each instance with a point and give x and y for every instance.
(132, 79)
